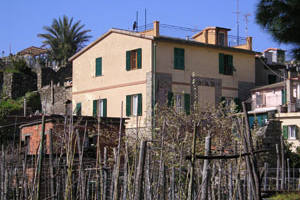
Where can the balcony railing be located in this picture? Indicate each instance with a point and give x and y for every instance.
(184, 32)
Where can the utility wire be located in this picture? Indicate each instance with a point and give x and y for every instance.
(263, 62)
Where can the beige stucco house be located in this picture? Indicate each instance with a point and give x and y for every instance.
(141, 69)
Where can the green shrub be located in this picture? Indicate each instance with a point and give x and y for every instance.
(9, 107)
(287, 196)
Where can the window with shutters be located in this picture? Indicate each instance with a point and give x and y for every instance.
(290, 132)
(227, 101)
(180, 102)
(98, 70)
(226, 64)
(283, 97)
(100, 108)
(179, 58)
(134, 105)
(78, 109)
(134, 59)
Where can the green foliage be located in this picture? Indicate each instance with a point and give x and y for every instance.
(9, 107)
(288, 196)
(293, 156)
(18, 64)
(33, 101)
(281, 19)
(13, 107)
(64, 38)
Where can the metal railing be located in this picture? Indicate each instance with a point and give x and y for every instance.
(184, 33)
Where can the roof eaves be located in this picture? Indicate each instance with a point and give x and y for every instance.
(112, 30)
(179, 40)
(272, 86)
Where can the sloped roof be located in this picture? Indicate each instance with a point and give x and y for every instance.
(271, 86)
(159, 38)
(33, 51)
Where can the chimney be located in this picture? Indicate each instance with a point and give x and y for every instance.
(156, 28)
(249, 43)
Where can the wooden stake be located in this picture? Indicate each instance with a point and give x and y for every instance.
(40, 161)
(205, 173)
(190, 189)
(140, 172)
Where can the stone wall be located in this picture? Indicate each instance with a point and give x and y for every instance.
(54, 98)
(46, 75)
(16, 84)
(54, 89)
(268, 136)
(1, 82)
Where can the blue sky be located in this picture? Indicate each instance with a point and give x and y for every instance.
(21, 20)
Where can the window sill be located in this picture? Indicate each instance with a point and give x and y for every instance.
(226, 74)
(132, 69)
(179, 69)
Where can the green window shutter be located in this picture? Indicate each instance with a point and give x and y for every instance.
(187, 103)
(139, 58)
(181, 57)
(128, 105)
(237, 102)
(95, 108)
(139, 111)
(230, 64)
(98, 66)
(283, 96)
(285, 132)
(176, 58)
(297, 132)
(170, 99)
(127, 60)
(222, 101)
(104, 107)
(78, 109)
(221, 63)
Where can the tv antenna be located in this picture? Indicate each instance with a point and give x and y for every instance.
(237, 22)
(247, 15)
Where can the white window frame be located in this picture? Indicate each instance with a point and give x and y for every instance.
(292, 132)
(135, 101)
(100, 107)
(179, 102)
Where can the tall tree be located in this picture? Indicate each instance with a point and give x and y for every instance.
(281, 19)
(64, 38)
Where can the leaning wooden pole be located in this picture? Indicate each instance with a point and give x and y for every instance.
(116, 186)
(253, 165)
(282, 164)
(40, 161)
(140, 172)
(205, 173)
(52, 189)
(190, 189)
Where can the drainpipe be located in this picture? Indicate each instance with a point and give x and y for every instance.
(153, 86)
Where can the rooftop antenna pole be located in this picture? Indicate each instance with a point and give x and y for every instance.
(237, 23)
(145, 18)
(9, 48)
(137, 19)
(246, 20)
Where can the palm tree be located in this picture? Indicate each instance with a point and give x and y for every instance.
(64, 38)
